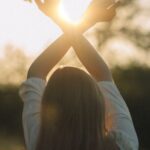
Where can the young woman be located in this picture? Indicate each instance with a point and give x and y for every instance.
(74, 110)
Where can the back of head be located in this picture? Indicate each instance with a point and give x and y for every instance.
(72, 115)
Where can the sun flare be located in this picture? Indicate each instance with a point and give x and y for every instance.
(73, 10)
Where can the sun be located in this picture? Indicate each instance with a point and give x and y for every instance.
(73, 10)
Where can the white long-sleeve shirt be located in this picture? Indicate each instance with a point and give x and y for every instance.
(121, 126)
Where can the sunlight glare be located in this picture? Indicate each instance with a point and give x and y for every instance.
(24, 25)
(72, 11)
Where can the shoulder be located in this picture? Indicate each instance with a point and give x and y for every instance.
(113, 97)
(32, 86)
(122, 128)
(123, 141)
(108, 86)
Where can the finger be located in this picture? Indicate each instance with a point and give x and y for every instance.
(114, 5)
(110, 14)
(42, 6)
(39, 3)
(51, 2)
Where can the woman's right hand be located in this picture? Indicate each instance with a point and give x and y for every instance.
(49, 7)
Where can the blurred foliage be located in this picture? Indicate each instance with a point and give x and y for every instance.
(134, 84)
(14, 65)
(127, 24)
(10, 110)
(28, 0)
(11, 143)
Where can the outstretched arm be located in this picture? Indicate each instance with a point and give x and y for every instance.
(48, 59)
(94, 13)
(90, 58)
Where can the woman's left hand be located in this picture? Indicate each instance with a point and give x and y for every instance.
(97, 13)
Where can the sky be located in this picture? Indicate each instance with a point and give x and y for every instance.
(25, 27)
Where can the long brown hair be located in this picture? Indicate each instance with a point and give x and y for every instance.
(72, 113)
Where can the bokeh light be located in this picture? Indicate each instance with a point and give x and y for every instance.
(73, 10)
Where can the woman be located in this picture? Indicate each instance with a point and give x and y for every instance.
(74, 110)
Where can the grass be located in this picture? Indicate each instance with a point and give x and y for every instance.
(11, 143)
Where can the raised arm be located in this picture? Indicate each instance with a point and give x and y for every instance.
(90, 58)
(94, 13)
(49, 58)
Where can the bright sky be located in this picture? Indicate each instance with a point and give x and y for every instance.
(22, 24)
(25, 27)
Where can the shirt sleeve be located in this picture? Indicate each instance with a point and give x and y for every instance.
(120, 125)
(31, 92)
